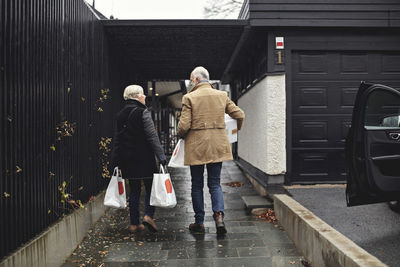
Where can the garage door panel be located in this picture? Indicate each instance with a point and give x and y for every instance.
(324, 97)
(324, 87)
(320, 131)
(314, 63)
(319, 166)
(311, 66)
(354, 63)
(390, 64)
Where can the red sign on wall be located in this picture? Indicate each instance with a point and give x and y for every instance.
(279, 43)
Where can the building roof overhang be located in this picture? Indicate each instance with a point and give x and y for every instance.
(170, 49)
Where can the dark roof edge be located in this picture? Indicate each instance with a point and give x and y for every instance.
(245, 10)
(177, 22)
(239, 46)
(95, 12)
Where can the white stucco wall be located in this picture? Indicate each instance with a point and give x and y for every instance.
(262, 140)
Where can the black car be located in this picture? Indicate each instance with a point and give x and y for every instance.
(373, 147)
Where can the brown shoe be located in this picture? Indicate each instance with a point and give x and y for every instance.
(136, 228)
(219, 223)
(196, 228)
(150, 224)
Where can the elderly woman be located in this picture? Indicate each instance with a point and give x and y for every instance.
(135, 144)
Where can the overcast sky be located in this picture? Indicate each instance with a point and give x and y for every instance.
(152, 9)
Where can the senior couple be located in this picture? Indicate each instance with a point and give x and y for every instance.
(206, 144)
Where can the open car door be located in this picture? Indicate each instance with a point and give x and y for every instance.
(373, 146)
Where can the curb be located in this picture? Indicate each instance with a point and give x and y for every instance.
(319, 242)
(55, 244)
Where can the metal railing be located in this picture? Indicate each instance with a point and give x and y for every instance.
(166, 122)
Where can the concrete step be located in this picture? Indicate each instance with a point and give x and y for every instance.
(253, 202)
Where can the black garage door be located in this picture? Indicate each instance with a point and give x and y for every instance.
(324, 86)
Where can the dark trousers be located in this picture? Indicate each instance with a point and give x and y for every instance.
(134, 199)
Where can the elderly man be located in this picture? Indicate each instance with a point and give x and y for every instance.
(202, 124)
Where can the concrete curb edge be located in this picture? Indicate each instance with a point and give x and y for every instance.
(316, 240)
(55, 244)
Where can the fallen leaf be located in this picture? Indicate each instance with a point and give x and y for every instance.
(69, 89)
(51, 174)
(9, 118)
(53, 148)
(18, 169)
(6, 194)
(100, 109)
(269, 216)
(48, 211)
(83, 99)
(235, 184)
(292, 262)
(306, 263)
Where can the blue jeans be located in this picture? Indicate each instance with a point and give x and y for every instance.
(134, 199)
(214, 186)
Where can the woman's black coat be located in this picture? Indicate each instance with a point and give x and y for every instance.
(135, 142)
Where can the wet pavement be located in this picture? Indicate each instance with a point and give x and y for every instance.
(250, 241)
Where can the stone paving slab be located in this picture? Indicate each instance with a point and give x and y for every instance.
(250, 241)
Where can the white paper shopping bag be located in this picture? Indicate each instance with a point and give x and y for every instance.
(162, 191)
(115, 195)
(178, 156)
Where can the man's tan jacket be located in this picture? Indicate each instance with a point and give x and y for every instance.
(202, 124)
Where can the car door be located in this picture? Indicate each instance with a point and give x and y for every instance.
(373, 146)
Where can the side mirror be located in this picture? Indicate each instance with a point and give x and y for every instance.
(391, 121)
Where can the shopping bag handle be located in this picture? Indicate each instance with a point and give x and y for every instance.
(118, 171)
(162, 169)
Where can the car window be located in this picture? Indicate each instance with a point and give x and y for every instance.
(383, 110)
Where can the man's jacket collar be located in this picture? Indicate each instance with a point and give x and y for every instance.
(134, 102)
(201, 85)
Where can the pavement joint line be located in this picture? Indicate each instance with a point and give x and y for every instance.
(314, 186)
(318, 241)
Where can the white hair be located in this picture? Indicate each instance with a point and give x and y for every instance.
(201, 73)
(132, 91)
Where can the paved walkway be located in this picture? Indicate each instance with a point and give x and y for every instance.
(249, 242)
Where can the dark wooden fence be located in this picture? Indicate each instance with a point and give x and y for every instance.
(54, 110)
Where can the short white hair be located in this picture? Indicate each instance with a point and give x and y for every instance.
(201, 73)
(132, 91)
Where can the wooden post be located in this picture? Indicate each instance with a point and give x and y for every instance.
(153, 99)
